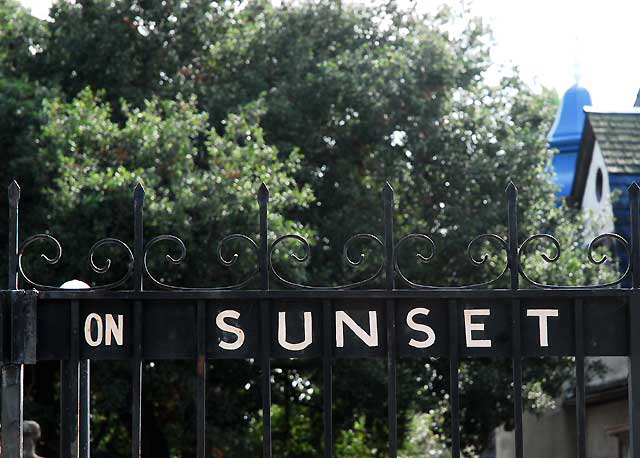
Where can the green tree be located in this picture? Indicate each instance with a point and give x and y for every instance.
(200, 194)
(373, 94)
(128, 48)
(94, 164)
(21, 95)
(330, 100)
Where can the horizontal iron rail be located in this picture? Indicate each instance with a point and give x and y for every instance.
(336, 294)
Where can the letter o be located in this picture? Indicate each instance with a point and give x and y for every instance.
(87, 329)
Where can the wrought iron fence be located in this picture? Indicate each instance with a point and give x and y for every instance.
(26, 312)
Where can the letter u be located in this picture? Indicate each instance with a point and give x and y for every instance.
(282, 332)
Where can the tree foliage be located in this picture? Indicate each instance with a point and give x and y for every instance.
(324, 101)
(198, 182)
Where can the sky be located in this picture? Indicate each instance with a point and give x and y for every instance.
(552, 42)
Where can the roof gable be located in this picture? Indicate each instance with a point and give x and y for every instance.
(618, 134)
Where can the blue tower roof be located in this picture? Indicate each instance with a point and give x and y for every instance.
(565, 136)
(567, 128)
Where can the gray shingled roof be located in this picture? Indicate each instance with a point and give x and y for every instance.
(618, 135)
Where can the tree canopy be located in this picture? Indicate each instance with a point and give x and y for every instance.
(322, 100)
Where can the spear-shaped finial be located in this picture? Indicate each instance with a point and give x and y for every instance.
(263, 194)
(512, 221)
(138, 234)
(634, 216)
(138, 192)
(14, 193)
(387, 192)
(263, 246)
(387, 200)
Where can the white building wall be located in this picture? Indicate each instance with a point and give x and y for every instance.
(552, 434)
(599, 210)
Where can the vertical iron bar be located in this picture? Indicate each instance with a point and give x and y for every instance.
(517, 377)
(265, 377)
(136, 360)
(512, 220)
(454, 389)
(392, 401)
(12, 374)
(201, 380)
(392, 376)
(634, 325)
(136, 382)
(327, 379)
(70, 389)
(263, 249)
(14, 202)
(387, 198)
(12, 395)
(514, 267)
(265, 332)
(138, 237)
(634, 375)
(85, 409)
(634, 209)
(580, 386)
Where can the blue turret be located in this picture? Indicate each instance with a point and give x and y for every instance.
(565, 136)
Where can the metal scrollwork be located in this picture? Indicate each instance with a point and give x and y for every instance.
(425, 259)
(386, 261)
(58, 255)
(590, 254)
(419, 256)
(307, 253)
(489, 237)
(226, 262)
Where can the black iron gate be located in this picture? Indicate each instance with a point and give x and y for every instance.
(123, 320)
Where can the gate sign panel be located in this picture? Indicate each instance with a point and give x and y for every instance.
(268, 316)
(357, 328)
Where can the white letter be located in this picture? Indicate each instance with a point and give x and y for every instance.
(228, 328)
(370, 339)
(542, 315)
(431, 336)
(112, 329)
(282, 332)
(87, 329)
(469, 326)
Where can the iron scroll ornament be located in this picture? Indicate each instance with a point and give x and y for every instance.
(426, 259)
(554, 258)
(92, 264)
(307, 252)
(183, 253)
(522, 251)
(265, 253)
(515, 252)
